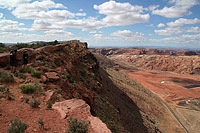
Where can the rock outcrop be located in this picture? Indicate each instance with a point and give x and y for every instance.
(177, 64)
(51, 76)
(77, 108)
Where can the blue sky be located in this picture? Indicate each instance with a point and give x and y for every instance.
(103, 23)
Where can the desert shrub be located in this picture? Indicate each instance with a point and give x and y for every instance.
(45, 70)
(83, 73)
(76, 126)
(26, 70)
(38, 87)
(20, 75)
(6, 77)
(58, 97)
(36, 74)
(22, 45)
(28, 88)
(49, 105)
(70, 78)
(8, 67)
(16, 126)
(57, 61)
(35, 103)
(33, 72)
(2, 89)
(2, 45)
(26, 100)
(41, 123)
(52, 66)
(59, 91)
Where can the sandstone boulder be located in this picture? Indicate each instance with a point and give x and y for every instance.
(4, 59)
(43, 78)
(77, 108)
(49, 95)
(52, 76)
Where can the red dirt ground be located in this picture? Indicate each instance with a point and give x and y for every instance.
(172, 90)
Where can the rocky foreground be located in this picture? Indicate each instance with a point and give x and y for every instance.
(59, 83)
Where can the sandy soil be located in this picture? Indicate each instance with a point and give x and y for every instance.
(17, 108)
(167, 86)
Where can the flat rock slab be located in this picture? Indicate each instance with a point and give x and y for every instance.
(52, 76)
(77, 108)
(72, 107)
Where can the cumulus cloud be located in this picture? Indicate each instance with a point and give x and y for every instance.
(183, 39)
(153, 7)
(1, 15)
(10, 4)
(129, 35)
(177, 30)
(10, 26)
(183, 21)
(193, 30)
(160, 25)
(169, 31)
(34, 37)
(179, 8)
(121, 13)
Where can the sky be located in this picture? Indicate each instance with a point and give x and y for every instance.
(103, 23)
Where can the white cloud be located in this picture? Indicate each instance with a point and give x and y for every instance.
(90, 23)
(129, 35)
(98, 36)
(121, 13)
(1, 15)
(10, 26)
(153, 7)
(160, 25)
(188, 3)
(22, 37)
(169, 31)
(177, 30)
(171, 12)
(10, 4)
(92, 32)
(193, 30)
(183, 21)
(183, 39)
(81, 10)
(179, 9)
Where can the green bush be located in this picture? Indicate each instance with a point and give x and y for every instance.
(33, 72)
(69, 77)
(28, 88)
(2, 89)
(20, 75)
(35, 103)
(26, 100)
(36, 74)
(6, 77)
(8, 67)
(49, 105)
(26, 70)
(59, 91)
(41, 123)
(16, 126)
(76, 126)
(83, 73)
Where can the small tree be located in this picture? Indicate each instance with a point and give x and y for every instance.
(16, 126)
(76, 126)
